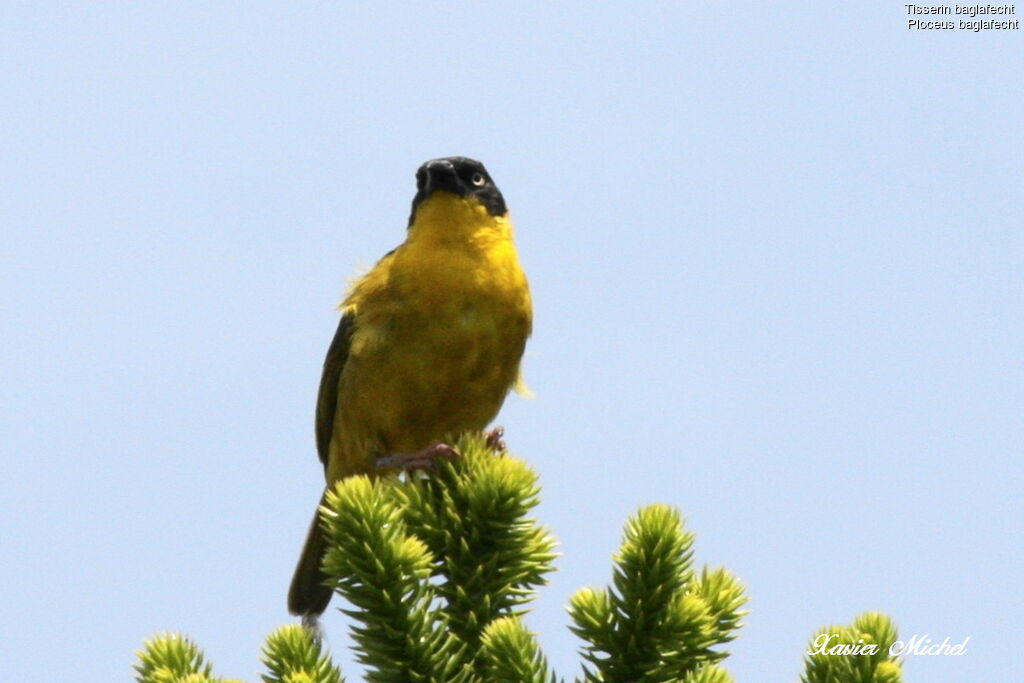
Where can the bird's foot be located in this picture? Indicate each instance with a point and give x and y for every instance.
(493, 440)
(419, 460)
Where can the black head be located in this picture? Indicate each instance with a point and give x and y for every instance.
(461, 176)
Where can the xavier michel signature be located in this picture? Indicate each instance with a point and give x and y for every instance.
(917, 645)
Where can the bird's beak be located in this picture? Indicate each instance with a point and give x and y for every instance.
(441, 176)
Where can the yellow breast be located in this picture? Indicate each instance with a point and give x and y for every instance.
(441, 324)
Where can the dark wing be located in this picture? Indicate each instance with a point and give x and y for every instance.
(327, 399)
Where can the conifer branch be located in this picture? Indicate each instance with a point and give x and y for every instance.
(382, 570)
(294, 655)
(473, 516)
(437, 571)
(173, 658)
(657, 622)
(510, 654)
(858, 653)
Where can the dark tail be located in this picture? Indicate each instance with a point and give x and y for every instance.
(308, 596)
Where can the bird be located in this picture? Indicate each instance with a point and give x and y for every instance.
(429, 344)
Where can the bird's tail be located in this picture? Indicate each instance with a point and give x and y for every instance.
(308, 596)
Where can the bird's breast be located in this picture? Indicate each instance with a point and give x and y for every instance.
(438, 349)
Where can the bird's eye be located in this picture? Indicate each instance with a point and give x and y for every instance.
(478, 179)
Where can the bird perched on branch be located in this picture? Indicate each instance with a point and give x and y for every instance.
(429, 344)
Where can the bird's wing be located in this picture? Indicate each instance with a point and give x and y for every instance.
(327, 398)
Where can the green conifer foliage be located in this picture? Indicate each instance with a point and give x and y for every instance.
(867, 642)
(292, 656)
(436, 570)
(658, 621)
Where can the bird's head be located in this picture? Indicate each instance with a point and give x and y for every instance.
(457, 186)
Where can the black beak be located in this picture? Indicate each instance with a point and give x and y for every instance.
(440, 165)
(441, 176)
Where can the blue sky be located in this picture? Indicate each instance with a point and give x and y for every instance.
(775, 250)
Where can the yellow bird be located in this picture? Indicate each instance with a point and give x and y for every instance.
(429, 344)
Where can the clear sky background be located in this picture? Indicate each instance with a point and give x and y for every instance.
(775, 249)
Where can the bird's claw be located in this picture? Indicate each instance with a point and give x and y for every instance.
(420, 460)
(493, 440)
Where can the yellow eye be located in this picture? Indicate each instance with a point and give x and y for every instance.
(478, 179)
